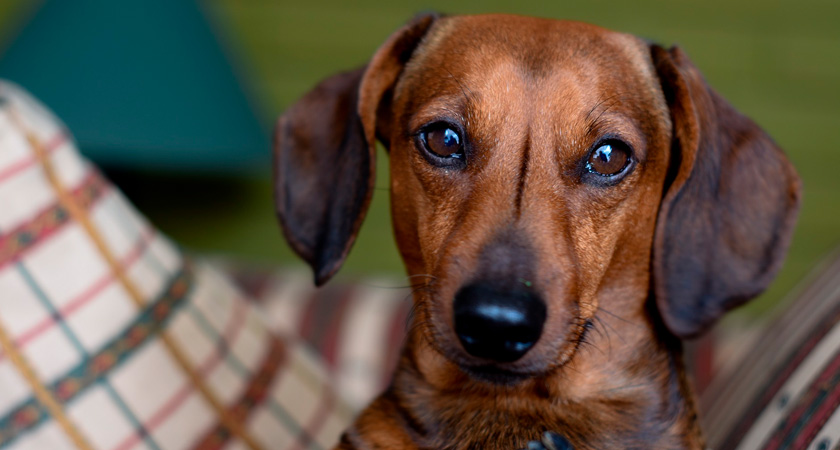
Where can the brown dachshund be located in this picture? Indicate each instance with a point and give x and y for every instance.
(576, 201)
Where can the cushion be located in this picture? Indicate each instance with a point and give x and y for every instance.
(110, 338)
(358, 326)
(785, 391)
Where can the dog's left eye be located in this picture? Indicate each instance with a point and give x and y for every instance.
(443, 141)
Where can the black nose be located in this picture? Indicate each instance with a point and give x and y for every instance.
(497, 324)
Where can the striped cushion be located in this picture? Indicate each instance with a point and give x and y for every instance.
(785, 392)
(111, 339)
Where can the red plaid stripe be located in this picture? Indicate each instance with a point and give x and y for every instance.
(325, 408)
(15, 243)
(54, 143)
(780, 378)
(232, 329)
(815, 407)
(254, 396)
(147, 326)
(322, 321)
(85, 297)
(324, 315)
(735, 400)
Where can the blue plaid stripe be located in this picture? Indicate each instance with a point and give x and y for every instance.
(68, 333)
(29, 413)
(277, 410)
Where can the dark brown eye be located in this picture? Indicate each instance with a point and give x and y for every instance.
(443, 141)
(609, 159)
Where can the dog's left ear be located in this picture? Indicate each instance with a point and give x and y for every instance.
(729, 206)
(325, 154)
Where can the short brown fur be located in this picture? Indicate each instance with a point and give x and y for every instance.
(699, 226)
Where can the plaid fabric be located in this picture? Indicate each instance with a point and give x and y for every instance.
(785, 391)
(112, 340)
(358, 328)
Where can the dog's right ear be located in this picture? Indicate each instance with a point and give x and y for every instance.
(325, 154)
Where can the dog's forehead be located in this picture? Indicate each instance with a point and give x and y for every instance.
(471, 52)
(539, 45)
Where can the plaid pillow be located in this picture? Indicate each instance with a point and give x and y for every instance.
(110, 339)
(785, 391)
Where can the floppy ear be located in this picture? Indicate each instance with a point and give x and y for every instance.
(729, 208)
(325, 154)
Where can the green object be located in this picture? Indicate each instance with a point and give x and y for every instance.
(140, 84)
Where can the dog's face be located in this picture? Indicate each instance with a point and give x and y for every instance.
(528, 159)
(542, 173)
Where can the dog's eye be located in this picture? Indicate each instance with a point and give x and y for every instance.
(443, 140)
(609, 158)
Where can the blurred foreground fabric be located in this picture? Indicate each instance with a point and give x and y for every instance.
(111, 339)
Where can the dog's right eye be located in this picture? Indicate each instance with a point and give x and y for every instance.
(443, 143)
(608, 162)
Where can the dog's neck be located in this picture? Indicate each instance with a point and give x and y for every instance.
(604, 397)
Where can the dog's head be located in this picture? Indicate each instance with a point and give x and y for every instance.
(541, 171)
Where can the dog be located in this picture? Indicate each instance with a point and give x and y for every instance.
(576, 202)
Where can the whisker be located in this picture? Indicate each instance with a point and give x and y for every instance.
(605, 324)
(597, 105)
(431, 279)
(618, 317)
(382, 286)
(592, 123)
(422, 275)
(603, 332)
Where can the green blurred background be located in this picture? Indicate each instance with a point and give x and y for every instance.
(778, 62)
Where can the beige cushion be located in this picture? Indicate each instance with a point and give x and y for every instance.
(112, 339)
